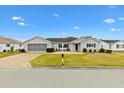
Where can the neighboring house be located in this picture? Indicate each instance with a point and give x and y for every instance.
(72, 44)
(7, 43)
(115, 45)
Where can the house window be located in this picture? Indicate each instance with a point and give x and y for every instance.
(7, 45)
(94, 45)
(91, 45)
(87, 45)
(66, 46)
(60, 45)
(117, 46)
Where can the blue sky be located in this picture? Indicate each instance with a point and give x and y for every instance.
(24, 22)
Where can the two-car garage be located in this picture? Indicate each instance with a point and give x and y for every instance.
(37, 47)
(37, 44)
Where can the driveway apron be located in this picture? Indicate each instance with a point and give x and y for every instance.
(18, 61)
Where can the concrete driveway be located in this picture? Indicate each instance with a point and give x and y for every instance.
(18, 61)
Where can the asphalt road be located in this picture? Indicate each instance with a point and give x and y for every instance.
(60, 78)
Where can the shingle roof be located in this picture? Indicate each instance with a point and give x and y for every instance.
(35, 38)
(68, 39)
(110, 41)
(9, 40)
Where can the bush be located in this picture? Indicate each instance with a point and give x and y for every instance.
(102, 50)
(4, 50)
(84, 50)
(50, 49)
(90, 50)
(67, 49)
(63, 50)
(94, 50)
(56, 49)
(22, 50)
(108, 51)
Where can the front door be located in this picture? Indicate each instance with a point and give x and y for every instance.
(76, 47)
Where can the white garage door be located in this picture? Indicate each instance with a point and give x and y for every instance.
(37, 47)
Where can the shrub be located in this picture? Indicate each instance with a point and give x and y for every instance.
(84, 50)
(22, 50)
(67, 49)
(108, 51)
(50, 49)
(94, 50)
(4, 50)
(90, 50)
(56, 49)
(102, 50)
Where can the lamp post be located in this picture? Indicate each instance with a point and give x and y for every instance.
(62, 56)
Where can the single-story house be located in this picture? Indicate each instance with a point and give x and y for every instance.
(72, 44)
(7, 43)
(59, 44)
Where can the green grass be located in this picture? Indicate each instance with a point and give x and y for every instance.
(5, 54)
(88, 59)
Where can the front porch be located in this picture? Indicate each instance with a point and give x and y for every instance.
(75, 47)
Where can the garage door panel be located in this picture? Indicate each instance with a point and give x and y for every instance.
(37, 47)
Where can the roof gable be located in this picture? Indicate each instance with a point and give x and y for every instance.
(84, 39)
(110, 41)
(9, 40)
(37, 40)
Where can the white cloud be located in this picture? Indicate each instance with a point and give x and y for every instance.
(76, 27)
(121, 18)
(14, 18)
(63, 33)
(21, 24)
(56, 15)
(109, 21)
(114, 29)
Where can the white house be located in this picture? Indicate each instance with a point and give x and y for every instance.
(69, 44)
(72, 44)
(7, 43)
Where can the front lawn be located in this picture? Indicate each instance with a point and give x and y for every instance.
(87, 59)
(4, 54)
